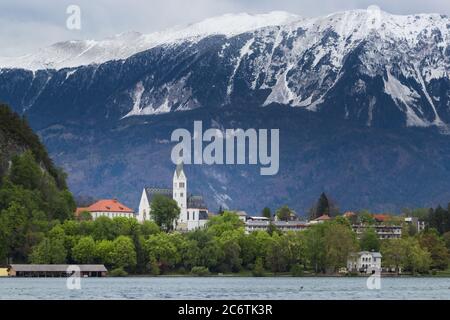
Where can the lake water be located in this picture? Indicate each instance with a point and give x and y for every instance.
(229, 288)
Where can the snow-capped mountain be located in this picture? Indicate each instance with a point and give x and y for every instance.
(84, 52)
(357, 96)
(370, 66)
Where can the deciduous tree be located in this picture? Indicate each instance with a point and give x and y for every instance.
(84, 251)
(164, 211)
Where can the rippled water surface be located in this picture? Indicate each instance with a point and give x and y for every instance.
(225, 288)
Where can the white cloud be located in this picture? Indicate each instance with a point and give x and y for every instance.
(27, 25)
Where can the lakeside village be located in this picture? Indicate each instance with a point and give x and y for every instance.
(174, 233)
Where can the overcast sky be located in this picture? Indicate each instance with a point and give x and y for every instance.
(27, 25)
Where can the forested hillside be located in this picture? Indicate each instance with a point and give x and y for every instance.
(33, 192)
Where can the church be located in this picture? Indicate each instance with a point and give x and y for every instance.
(193, 211)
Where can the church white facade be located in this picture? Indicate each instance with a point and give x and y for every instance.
(193, 211)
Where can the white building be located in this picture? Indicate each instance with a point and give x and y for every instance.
(110, 208)
(364, 262)
(418, 224)
(253, 225)
(383, 231)
(242, 215)
(193, 211)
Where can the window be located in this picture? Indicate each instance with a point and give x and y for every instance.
(193, 215)
(182, 195)
(181, 184)
(188, 215)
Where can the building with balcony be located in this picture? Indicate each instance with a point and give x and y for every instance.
(383, 231)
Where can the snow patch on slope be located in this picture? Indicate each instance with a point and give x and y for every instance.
(404, 97)
(245, 51)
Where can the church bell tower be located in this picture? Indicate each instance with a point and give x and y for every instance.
(180, 191)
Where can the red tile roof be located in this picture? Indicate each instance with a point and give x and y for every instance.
(108, 205)
(381, 217)
(323, 218)
(349, 214)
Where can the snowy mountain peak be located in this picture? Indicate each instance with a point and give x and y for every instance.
(233, 24)
(76, 53)
(356, 24)
(367, 65)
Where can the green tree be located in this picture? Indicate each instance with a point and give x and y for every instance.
(315, 249)
(405, 254)
(228, 221)
(149, 228)
(85, 216)
(164, 212)
(369, 241)
(276, 259)
(393, 252)
(138, 242)
(258, 269)
(123, 253)
(365, 217)
(294, 248)
(439, 219)
(435, 245)
(162, 249)
(84, 251)
(124, 226)
(19, 133)
(248, 251)
(267, 213)
(284, 213)
(272, 228)
(446, 237)
(26, 172)
(104, 252)
(321, 208)
(416, 258)
(51, 250)
(103, 228)
(229, 243)
(340, 241)
(262, 239)
(190, 254)
(200, 271)
(210, 252)
(14, 225)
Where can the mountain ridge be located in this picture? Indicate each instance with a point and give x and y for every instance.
(335, 85)
(228, 25)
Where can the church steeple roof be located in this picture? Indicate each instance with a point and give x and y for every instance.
(179, 169)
